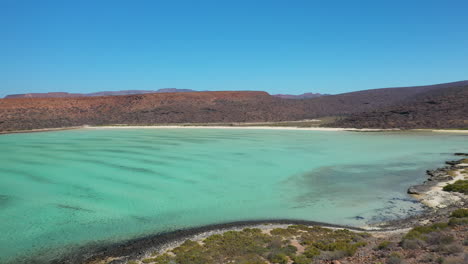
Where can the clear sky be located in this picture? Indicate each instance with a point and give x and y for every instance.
(288, 46)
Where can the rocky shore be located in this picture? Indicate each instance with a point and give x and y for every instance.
(431, 193)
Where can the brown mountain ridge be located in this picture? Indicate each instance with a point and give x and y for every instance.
(434, 106)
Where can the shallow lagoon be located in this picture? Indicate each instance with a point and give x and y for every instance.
(64, 189)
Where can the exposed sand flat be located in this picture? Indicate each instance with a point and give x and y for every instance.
(444, 130)
(240, 126)
(248, 127)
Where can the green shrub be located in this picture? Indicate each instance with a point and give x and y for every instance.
(460, 186)
(285, 232)
(333, 255)
(384, 245)
(279, 258)
(458, 221)
(311, 252)
(413, 243)
(460, 213)
(418, 231)
(163, 259)
(301, 259)
(394, 259)
(289, 250)
(449, 249)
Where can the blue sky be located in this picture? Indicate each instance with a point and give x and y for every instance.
(278, 46)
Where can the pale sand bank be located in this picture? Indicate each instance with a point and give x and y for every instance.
(246, 127)
(243, 126)
(444, 130)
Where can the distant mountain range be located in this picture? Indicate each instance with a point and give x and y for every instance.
(104, 93)
(130, 92)
(430, 106)
(300, 96)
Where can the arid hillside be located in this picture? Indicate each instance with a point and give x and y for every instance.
(427, 106)
(438, 108)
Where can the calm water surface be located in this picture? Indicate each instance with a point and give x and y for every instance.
(59, 190)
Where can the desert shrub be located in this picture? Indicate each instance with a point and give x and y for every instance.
(412, 243)
(449, 249)
(301, 259)
(279, 258)
(364, 234)
(460, 186)
(428, 258)
(252, 246)
(341, 245)
(238, 243)
(163, 259)
(252, 262)
(311, 252)
(458, 221)
(285, 232)
(190, 252)
(333, 255)
(453, 260)
(246, 259)
(289, 250)
(439, 238)
(394, 258)
(384, 245)
(460, 213)
(418, 231)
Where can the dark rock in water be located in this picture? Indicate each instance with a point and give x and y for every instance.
(461, 154)
(439, 175)
(453, 162)
(436, 173)
(418, 189)
(358, 217)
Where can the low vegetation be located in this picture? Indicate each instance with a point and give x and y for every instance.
(442, 243)
(460, 186)
(251, 246)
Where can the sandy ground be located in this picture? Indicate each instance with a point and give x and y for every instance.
(437, 198)
(244, 127)
(239, 126)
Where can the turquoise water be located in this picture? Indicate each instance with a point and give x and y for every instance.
(59, 190)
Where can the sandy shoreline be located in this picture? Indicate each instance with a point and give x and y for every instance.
(244, 127)
(254, 126)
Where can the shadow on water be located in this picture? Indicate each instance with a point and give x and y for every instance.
(28, 175)
(74, 208)
(348, 181)
(5, 200)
